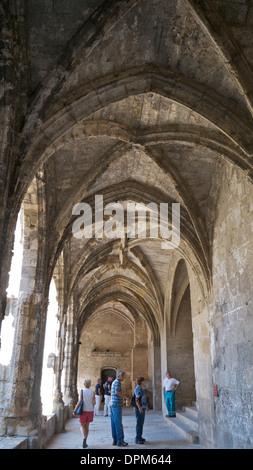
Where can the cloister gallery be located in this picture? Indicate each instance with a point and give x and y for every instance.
(136, 103)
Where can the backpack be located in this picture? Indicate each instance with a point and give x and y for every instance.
(133, 402)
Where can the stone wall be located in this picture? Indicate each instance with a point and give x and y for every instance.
(201, 309)
(113, 350)
(232, 319)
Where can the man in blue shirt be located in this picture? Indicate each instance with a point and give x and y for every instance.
(140, 408)
(116, 410)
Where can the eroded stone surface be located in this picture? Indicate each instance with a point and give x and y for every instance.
(144, 102)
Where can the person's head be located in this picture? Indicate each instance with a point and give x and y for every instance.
(87, 383)
(140, 381)
(168, 374)
(99, 381)
(121, 375)
(110, 378)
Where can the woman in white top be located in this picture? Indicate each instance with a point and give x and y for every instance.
(88, 397)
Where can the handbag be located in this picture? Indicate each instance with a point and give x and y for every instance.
(79, 410)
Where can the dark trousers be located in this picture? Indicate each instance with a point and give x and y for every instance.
(140, 418)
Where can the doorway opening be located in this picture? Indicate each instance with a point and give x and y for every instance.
(105, 373)
(180, 353)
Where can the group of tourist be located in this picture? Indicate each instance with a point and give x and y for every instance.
(113, 405)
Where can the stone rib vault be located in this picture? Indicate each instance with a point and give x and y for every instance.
(143, 102)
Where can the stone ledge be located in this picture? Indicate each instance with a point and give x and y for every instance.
(105, 353)
(13, 443)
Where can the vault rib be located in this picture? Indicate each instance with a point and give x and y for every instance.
(234, 60)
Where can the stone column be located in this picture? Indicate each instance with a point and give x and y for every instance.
(164, 364)
(70, 361)
(23, 412)
(23, 416)
(156, 376)
(58, 403)
(140, 351)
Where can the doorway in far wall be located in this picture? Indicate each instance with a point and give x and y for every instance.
(105, 373)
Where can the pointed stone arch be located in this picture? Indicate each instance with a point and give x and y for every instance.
(180, 284)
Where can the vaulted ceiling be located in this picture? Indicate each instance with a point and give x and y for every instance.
(140, 101)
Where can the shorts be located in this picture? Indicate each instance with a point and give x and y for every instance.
(86, 417)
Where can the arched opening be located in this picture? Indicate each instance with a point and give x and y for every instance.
(7, 327)
(49, 357)
(180, 355)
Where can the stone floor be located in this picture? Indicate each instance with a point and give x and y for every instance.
(157, 433)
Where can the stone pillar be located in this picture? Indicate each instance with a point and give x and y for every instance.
(70, 361)
(156, 376)
(58, 403)
(164, 364)
(140, 351)
(23, 415)
(23, 411)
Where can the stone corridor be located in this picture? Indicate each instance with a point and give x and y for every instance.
(126, 212)
(158, 434)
